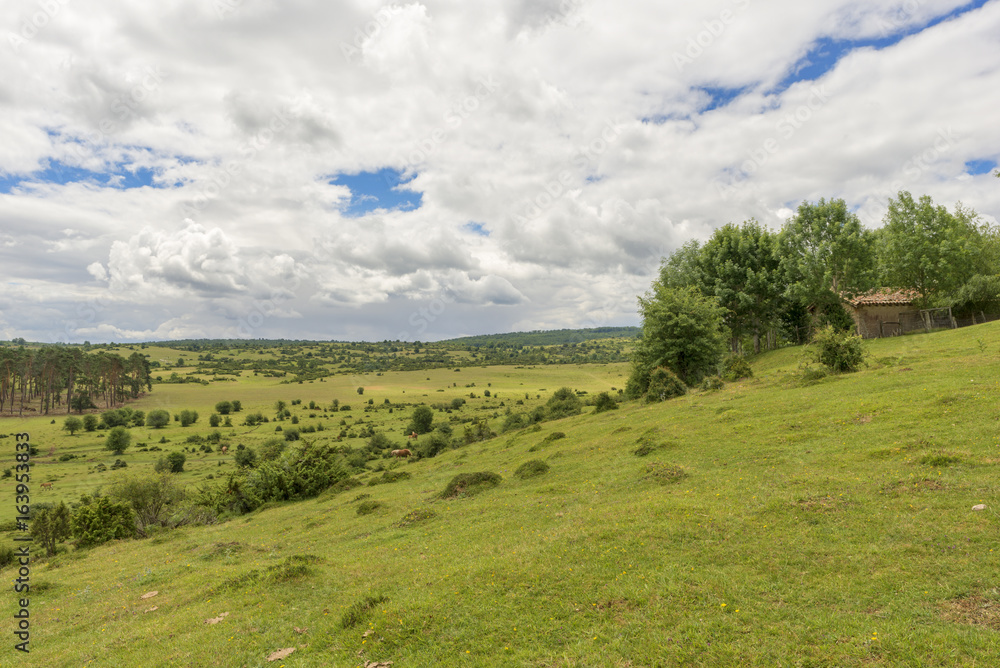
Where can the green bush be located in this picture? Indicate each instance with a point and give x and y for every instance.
(563, 403)
(90, 422)
(188, 417)
(157, 419)
(247, 457)
(712, 383)
(840, 352)
(736, 367)
(422, 420)
(270, 449)
(664, 384)
(102, 520)
(604, 402)
(150, 496)
(175, 462)
(368, 507)
(468, 484)
(530, 469)
(118, 440)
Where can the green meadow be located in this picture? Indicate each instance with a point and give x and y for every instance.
(774, 522)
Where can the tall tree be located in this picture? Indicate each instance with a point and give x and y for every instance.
(924, 247)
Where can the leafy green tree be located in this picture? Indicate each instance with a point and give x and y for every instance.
(176, 460)
(361, 390)
(51, 526)
(740, 266)
(118, 440)
(683, 268)
(90, 422)
(247, 457)
(158, 418)
(925, 248)
(214, 420)
(237, 405)
(422, 421)
(72, 425)
(188, 417)
(150, 496)
(81, 402)
(563, 403)
(682, 330)
(279, 408)
(224, 407)
(825, 249)
(604, 402)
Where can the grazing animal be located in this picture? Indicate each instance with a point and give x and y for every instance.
(225, 449)
(413, 436)
(46, 485)
(401, 453)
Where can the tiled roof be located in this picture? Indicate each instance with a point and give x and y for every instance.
(884, 296)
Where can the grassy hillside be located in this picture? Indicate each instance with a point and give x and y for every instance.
(769, 523)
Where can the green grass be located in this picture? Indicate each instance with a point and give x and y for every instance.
(820, 525)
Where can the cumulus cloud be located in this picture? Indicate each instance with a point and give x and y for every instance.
(589, 138)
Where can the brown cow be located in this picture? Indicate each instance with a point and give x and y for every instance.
(401, 453)
(46, 485)
(225, 449)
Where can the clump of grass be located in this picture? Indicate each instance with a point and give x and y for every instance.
(360, 497)
(647, 446)
(416, 517)
(664, 474)
(295, 566)
(530, 469)
(551, 438)
(359, 611)
(940, 459)
(712, 383)
(468, 484)
(345, 485)
(811, 375)
(368, 507)
(388, 477)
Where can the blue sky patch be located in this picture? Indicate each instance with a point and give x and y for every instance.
(57, 173)
(476, 228)
(976, 167)
(827, 52)
(719, 97)
(384, 189)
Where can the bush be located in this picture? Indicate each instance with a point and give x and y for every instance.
(224, 407)
(736, 367)
(175, 462)
(90, 422)
(157, 419)
(389, 477)
(51, 526)
(664, 474)
(214, 420)
(102, 520)
(437, 442)
(563, 403)
(118, 440)
(368, 507)
(188, 417)
(247, 457)
(477, 430)
(253, 419)
(838, 351)
(291, 434)
(468, 484)
(72, 425)
(604, 402)
(271, 449)
(663, 385)
(712, 383)
(149, 495)
(530, 469)
(422, 421)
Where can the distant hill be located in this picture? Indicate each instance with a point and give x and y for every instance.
(552, 337)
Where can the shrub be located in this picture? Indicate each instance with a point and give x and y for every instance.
(253, 419)
(118, 440)
(477, 430)
(51, 526)
(224, 407)
(468, 484)
(214, 420)
(291, 434)
(735, 367)
(119, 464)
(158, 418)
(438, 441)
(72, 425)
(563, 403)
(149, 496)
(102, 520)
(712, 383)
(175, 462)
(388, 477)
(840, 352)
(271, 449)
(530, 469)
(604, 402)
(664, 384)
(422, 421)
(188, 417)
(90, 422)
(457, 403)
(247, 457)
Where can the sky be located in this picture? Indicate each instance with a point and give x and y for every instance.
(420, 171)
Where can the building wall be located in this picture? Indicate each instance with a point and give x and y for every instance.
(868, 317)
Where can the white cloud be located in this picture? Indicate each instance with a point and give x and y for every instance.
(524, 117)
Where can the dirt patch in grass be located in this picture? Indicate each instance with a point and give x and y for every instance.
(468, 484)
(530, 469)
(664, 474)
(818, 504)
(974, 610)
(416, 517)
(913, 486)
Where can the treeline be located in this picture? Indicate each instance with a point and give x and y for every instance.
(553, 337)
(776, 287)
(52, 377)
